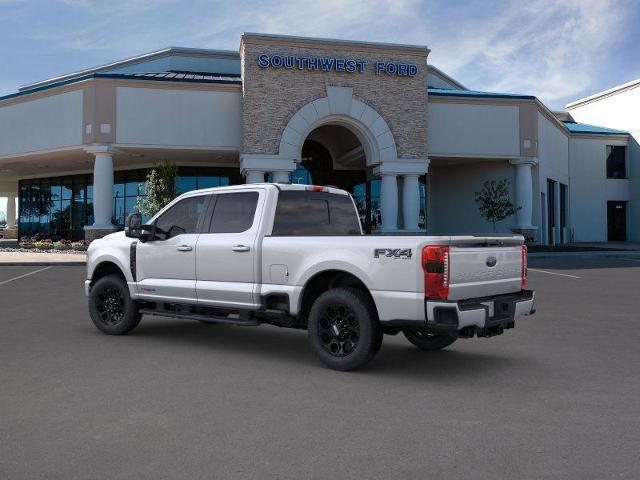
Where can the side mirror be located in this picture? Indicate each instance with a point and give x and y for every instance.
(133, 226)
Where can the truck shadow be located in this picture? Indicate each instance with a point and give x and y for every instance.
(449, 364)
(266, 343)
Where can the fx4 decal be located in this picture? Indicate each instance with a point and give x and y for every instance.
(403, 253)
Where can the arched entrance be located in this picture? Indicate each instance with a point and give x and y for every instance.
(333, 155)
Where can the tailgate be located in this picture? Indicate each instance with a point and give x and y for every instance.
(484, 270)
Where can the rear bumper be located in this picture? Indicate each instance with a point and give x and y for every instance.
(473, 317)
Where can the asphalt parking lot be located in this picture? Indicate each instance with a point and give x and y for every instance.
(557, 397)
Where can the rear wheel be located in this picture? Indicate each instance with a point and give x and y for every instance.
(111, 308)
(428, 341)
(343, 329)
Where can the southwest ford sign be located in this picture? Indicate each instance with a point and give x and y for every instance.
(333, 64)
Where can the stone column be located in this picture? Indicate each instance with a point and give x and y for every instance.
(281, 177)
(524, 195)
(102, 192)
(411, 202)
(253, 166)
(389, 202)
(254, 176)
(11, 212)
(410, 170)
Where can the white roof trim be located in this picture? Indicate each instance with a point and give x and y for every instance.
(132, 61)
(604, 93)
(446, 77)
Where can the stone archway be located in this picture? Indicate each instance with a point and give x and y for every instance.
(340, 108)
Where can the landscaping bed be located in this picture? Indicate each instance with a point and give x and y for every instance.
(47, 245)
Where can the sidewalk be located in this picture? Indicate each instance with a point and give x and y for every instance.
(616, 245)
(37, 259)
(609, 249)
(593, 253)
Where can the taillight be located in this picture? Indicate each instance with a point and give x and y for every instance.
(524, 267)
(316, 188)
(435, 264)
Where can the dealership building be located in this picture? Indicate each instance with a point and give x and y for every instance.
(410, 143)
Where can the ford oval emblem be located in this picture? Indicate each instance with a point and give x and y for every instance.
(491, 261)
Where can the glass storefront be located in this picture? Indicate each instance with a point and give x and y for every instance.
(55, 207)
(59, 207)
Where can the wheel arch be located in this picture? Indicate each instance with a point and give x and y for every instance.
(325, 280)
(107, 267)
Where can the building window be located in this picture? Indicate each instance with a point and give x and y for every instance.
(60, 207)
(616, 161)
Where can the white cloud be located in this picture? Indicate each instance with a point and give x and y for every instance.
(546, 48)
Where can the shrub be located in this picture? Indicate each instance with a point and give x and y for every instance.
(494, 202)
(62, 245)
(43, 245)
(160, 189)
(81, 245)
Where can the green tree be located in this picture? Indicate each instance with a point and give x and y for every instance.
(160, 189)
(494, 201)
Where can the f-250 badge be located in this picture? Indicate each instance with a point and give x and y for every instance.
(402, 253)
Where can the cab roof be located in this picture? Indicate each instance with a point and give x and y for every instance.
(279, 186)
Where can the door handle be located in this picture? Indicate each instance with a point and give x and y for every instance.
(184, 248)
(240, 248)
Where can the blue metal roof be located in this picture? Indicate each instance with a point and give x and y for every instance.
(188, 77)
(585, 128)
(475, 93)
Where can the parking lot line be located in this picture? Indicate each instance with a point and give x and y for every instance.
(553, 273)
(25, 275)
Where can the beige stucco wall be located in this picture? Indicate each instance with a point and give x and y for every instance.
(178, 117)
(467, 129)
(621, 111)
(54, 121)
(590, 189)
(451, 196)
(271, 96)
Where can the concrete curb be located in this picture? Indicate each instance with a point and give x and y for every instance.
(609, 253)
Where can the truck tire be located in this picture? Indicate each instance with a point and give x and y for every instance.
(427, 341)
(111, 308)
(343, 329)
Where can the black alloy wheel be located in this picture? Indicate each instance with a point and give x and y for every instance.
(343, 328)
(110, 306)
(339, 330)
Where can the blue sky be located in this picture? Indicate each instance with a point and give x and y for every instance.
(557, 50)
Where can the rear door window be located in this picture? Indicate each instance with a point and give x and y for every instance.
(233, 212)
(315, 213)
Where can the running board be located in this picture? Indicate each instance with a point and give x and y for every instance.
(200, 317)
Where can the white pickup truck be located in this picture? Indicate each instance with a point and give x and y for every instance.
(295, 256)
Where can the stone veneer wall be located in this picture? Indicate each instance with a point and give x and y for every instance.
(271, 96)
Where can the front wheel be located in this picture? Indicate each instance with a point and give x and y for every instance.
(428, 341)
(111, 308)
(343, 329)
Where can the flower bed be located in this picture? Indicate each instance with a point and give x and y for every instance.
(36, 244)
